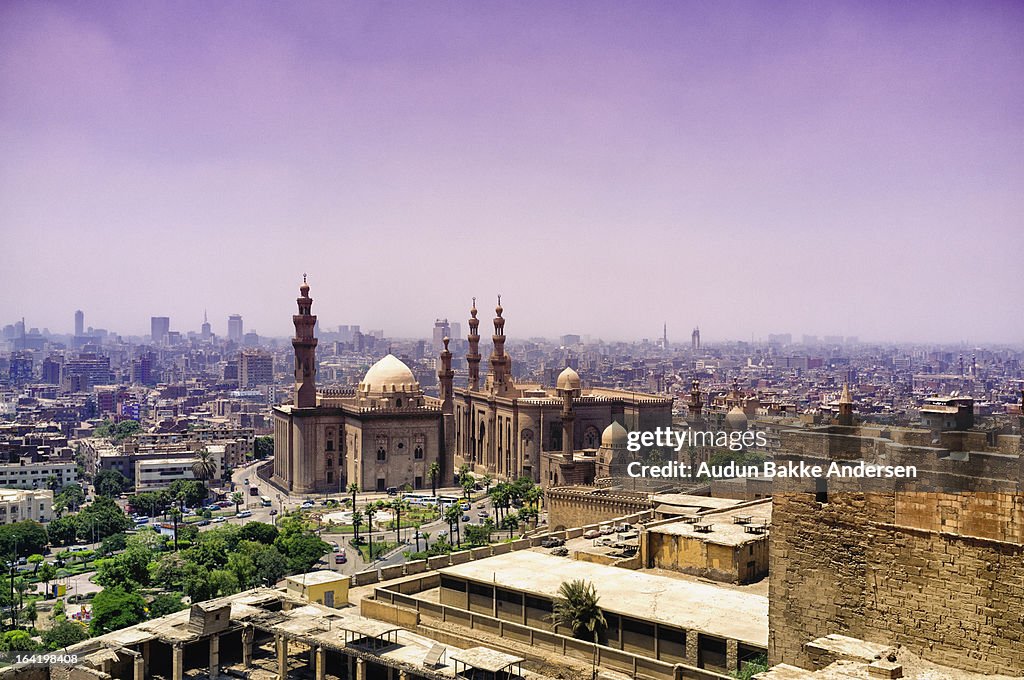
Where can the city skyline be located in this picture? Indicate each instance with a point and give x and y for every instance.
(850, 170)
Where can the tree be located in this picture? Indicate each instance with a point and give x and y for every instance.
(371, 510)
(270, 564)
(242, 566)
(47, 572)
(205, 467)
(28, 536)
(127, 571)
(353, 489)
(35, 560)
(63, 530)
(357, 521)
(113, 543)
(577, 609)
(114, 609)
(299, 547)
(434, 471)
(223, 582)
(263, 447)
(110, 483)
(169, 572)
(152, 502)
(511, 522)
(71, 498)
(453, 515)
(237, 498)
(487, 480)
(259, 532)
(467, 486)
(102, 518)
(17, 641)
(64, 634)
(189, 492)
(164, 604)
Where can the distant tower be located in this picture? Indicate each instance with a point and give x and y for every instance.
(205, 330)
(499, 360)
(159, 329)
(305, 350)
(446, 377)
(695, 400)
(961, 365)
(442, 330)
(664, 335)
(845, 405)
(235, 332)
(568, 386)
(79, 323)
(695, 339)
(473, 356)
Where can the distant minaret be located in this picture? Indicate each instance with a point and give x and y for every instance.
(664, 335)
(845, 404)
(446, 377)
(473, 355)
(695, 400)
(305, 350)
(695, 339)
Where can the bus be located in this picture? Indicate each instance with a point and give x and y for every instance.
(265, 501)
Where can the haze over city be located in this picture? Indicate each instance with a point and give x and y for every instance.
(849, 169)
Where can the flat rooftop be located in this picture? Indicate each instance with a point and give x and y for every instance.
(724, 527)
(694, 503)
(685, 604)
(315, 578)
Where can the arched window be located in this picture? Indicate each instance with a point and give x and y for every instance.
(398, 403)
(382, 455)
(418, 453)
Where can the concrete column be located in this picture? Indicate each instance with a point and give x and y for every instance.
(140, 668)
(360, 670)
(177, 662)
(247, 636)
(691, 648)
(732, 655)
(311, 662)
(321, 663)
(282, 657)
(351, 667)
(145, 658)
(214, 657)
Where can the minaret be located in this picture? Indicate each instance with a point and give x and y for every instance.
(499, 361)
(695, 401)
(445, 376)
(305, 350)
(473, 355)
(568, 422)
(845, 404)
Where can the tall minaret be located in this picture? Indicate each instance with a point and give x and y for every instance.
(473, 355)
(305, 350)
(445, 376)
(499, 361)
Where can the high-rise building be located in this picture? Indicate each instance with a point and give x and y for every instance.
(160, 327)
(441, 331)
(694, 339)
(235, 332)
(205, 331)
(79, 323)
(256, 368)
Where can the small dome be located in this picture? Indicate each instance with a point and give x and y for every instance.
(568, 380)
(389, 374)
(736, 419)
(614, 436)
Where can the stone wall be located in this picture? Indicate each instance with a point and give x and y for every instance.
(575, 507)
(845, 566)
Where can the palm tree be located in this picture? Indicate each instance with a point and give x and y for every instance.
(357, 519)
(434, 471)
(399, 506)
(237, 498)
(452, 515)
(205, 467)
(353, 489)
(511, 522)
(487, 480)
(577, 608)
(371, 510)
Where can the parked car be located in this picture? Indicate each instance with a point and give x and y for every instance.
(593, 533)
(340, 558)
(392, 490)
(307, 505)
(245, 513)
(203, 523)
(464, 505)
(482, 514)
(552, 542)
(335, 547)
(466, 518)
(273, 512)
(218, 520)
(607, 530)
(560, 551)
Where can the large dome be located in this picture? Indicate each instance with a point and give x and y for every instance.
(736, 419)
(568, 380)
(389, 374)
(614, 436)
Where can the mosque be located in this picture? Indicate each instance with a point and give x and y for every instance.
(387, 432)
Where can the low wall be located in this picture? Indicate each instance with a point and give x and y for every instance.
(405, 617)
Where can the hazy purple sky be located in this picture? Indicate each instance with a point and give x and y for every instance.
(752, 167)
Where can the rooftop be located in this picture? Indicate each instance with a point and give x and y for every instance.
(685, 604)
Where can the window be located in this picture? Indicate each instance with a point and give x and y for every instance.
(382, 455)
(398, 404)
(418, 453)
(330, 444)
(401, 445)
